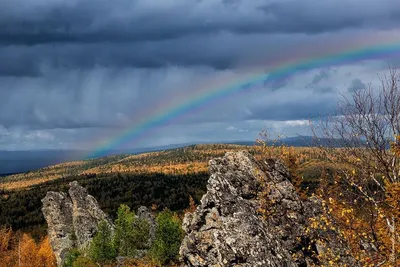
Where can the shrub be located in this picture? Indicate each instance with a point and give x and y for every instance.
(82, 261)
(101, 248)
(123, 231)
(168, 239)
(131, 233)
(140, 233)
(71, 257)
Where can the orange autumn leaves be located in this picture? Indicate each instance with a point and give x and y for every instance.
(18, 249)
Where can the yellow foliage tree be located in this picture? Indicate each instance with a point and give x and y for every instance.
(7, 255)
(21, 250)
(365, 192)
(28, 251)
(45, 253)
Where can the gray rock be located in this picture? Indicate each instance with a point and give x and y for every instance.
(228, 229)
(143, 213)
(57, 210)
(120, 261)
(86, 214)
(72, 220)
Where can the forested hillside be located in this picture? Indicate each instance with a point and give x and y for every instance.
(164, 179)
(175, 161)
(176, 180)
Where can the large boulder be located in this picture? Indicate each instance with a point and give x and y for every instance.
(71, 219)
(251, 215)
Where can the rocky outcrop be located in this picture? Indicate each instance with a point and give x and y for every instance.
(57, 210)
(72, 219)
(251, 215)
(86, 214)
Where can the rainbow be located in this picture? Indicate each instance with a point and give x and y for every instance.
(205, 96)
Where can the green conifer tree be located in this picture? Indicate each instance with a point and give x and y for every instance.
(131, 233)
(123, 231)
(101, 248)
(169, 236)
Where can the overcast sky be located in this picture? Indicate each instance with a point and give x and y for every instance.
(75, 73)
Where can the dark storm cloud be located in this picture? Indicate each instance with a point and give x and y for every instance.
(294, 110)
(17, 60)
(68, 68)
(93, 21)
(275, 84)
(19, 70)
(220, 51)
(324, 90)
(100, 97)
(356, 84)
(322, 75)
(326, 16)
